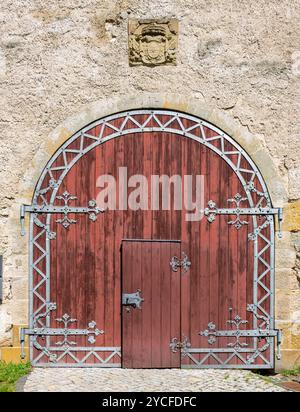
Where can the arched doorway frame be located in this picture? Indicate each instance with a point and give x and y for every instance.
(39, 200)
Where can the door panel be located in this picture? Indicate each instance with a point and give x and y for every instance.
(77, 273)
(147, 332)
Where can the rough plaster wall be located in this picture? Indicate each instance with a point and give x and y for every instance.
(55, 57)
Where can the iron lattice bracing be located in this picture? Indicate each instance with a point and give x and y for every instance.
(254, 203)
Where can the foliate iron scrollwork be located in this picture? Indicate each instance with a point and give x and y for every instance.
(66, 319)
(251, 188)
(211, 211)
(256, 232)
(53, 184)
(263, 332)
(264, 198)
(50, 235)
(41, 332)
(237, 222)
(92, 210)
(184, 346)
(66, 198)
(37, 323)
(91, 332)
(176, 263)
(211, 333)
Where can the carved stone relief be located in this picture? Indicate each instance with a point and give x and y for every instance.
(152, 42)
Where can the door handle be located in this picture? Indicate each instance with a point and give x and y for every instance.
(132, 299)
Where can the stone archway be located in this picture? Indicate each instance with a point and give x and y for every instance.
(41, 234)
(252, 144)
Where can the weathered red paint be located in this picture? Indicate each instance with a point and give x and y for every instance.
(86, 258)
(147, 332)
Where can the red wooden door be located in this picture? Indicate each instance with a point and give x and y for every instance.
(147, 331)
(80, 268)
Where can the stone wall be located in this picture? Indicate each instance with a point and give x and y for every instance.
(238, 62)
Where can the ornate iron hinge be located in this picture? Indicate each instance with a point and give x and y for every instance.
(175, 345)
(92, 210)
(91, 332)
(212, 210)
(176, 263)
(262, 332)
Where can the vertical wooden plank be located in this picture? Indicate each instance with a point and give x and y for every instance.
(81, 249)
(100, 254)
(147, 319)
(126, 315)
(233, 234)
(109, 257)
(194, 271)
(166, 308)
(118, 236)
(136, 268)
(175, 306)
(156, 306)
(185, 280)
(224, 273)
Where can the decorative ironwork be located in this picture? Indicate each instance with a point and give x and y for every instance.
(237, 333)
(49, 234)
(253, 235)
(238, 223)
(132, 299)
(176, 263)
(262, 332)
(138, 121)
(211, 211)
(92, 210)
(251, 187)
(184, 346)
(41, 332)
(66, 221)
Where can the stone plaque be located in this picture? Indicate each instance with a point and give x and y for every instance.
(152, 42)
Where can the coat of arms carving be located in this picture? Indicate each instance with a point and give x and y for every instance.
(152, 42)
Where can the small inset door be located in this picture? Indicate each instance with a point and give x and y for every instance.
(150, 304)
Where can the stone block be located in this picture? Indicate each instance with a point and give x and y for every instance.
(282, 304)
(291, 217)
(285, 258)
(13, 354)
(290, 359)
(16, 330)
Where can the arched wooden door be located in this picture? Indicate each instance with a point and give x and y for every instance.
(224, 308)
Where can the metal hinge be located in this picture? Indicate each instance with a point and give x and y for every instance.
(175, 345)
(278, 341)
(91, 209)
(239, 211)
(65, 332)
(176, 263)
